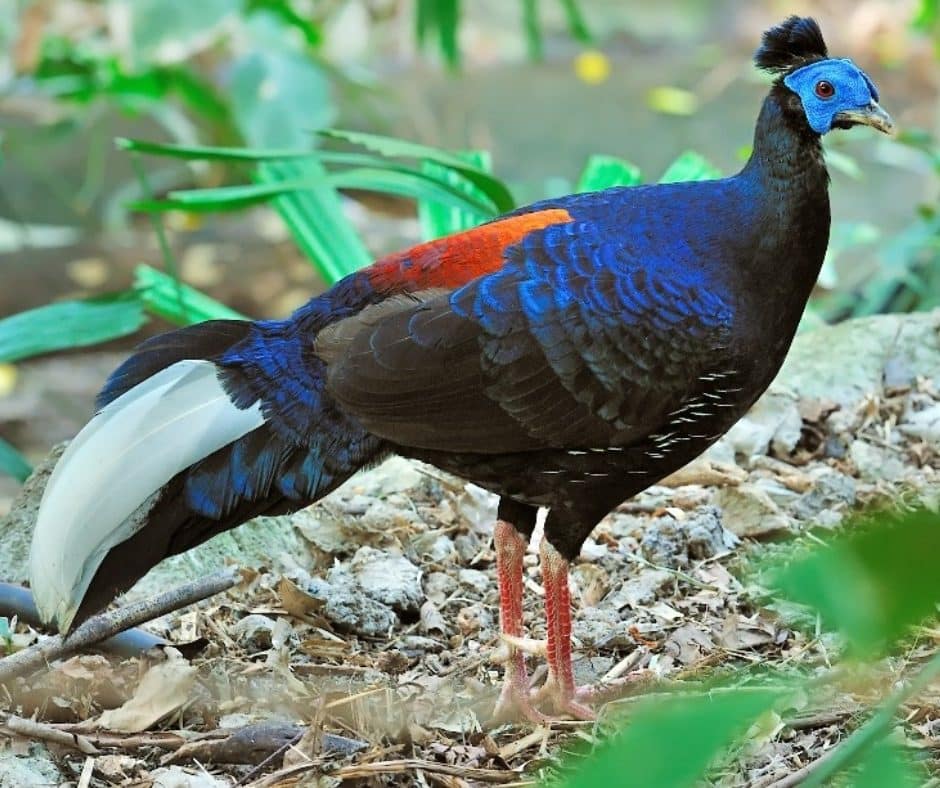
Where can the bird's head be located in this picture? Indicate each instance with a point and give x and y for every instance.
(833, 93)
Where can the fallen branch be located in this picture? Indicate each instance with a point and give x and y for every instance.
(16, 601)
(109, 623)
(39, 731)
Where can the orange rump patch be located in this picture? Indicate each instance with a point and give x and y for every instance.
(454, 260)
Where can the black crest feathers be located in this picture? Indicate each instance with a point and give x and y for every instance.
(791, 44)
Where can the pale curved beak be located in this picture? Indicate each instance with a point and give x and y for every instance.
(872, 115)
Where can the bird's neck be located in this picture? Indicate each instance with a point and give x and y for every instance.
(787, 154)
(787, 179)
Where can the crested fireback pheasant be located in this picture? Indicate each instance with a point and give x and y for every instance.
(566, 355)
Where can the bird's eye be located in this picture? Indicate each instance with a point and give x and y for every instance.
(825, 90)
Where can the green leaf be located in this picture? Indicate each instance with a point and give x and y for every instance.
(493, 188)
(12, 463)
(418, 185)
(176, 301)
(868, 584)
(439, 219)
(603, 172)
(576, 24)
(885, 764)
(69, 324)
(532, 28)
(443, 18)
(173, 25)
(690, 166)
(672, 741)
(316, 220)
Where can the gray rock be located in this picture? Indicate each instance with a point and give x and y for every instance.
(830, 489)
(706, 534)
(254, 631)
(438, 586)
(349, 608)
(638, 590)
(875, 463)
(473, 578)
(36, 768)
(923, 424)
(388, 578)
(664, 543)
(748, 511)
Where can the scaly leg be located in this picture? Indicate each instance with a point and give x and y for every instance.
(510, 550)
(559, 687)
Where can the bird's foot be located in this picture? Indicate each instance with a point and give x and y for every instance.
(566, 701)
(515, 698)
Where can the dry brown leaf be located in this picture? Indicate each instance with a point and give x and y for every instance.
(297, 602)
(163, 689)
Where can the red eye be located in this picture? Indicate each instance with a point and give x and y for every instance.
(825, 90)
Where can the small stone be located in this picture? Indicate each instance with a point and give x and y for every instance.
(874, 463)
(473, 578)
(389, 578)
(638, 590)
(706, 535)
(254, 632)
(351, 609)
(748, 511)
(664, 543)
(468, 546)
(923, 424)
(830, 489)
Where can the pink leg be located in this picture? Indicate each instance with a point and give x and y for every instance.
(560, 686)
(510, 550)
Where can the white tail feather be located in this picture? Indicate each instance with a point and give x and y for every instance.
(127, 452)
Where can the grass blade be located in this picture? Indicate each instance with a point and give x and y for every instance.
(163, 295)
(437, 219)
(492, 187)
(69, 324)
(316, 220)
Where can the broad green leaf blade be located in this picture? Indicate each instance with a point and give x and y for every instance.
(690, 166)
(437, 219)
(603, 172)
(316, 220)
(672, 741)
(12, 463)
(492, 187)
(69, 324)
(871, 584)
(886, 765)
(175, 301)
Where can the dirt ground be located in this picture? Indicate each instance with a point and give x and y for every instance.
(367, 658)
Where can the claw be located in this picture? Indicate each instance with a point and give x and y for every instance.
(537, 648)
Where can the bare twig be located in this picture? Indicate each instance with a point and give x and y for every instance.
(30, 729)
(109, 623)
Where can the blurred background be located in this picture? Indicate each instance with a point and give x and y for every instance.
(102, 244)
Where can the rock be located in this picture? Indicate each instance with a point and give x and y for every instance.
(706, 534)
(830, 489)
(875, 463)
(473, 578)
(923, 424)
(773, 422)
(254, 631)
(845, 362)
(438, 586)
(36, 767)
(663, 543)
(747, 510)
(388, 578)
(349, 608)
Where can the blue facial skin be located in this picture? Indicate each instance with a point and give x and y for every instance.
(854, 90)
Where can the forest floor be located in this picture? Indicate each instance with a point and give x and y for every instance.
(366, 656)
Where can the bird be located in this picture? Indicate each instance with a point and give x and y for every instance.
(565, 355)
